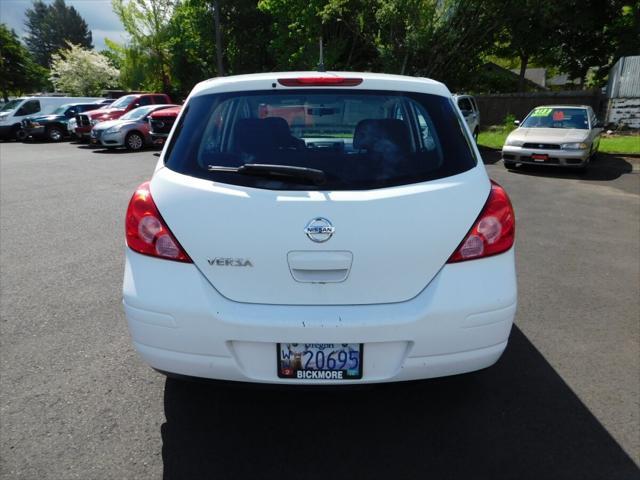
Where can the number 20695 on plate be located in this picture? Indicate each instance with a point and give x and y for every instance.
(320, 361)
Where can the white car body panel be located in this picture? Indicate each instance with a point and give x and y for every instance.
(263, 226)
(416, 315)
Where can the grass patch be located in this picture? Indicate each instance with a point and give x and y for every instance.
(621, 144)
(492, 138)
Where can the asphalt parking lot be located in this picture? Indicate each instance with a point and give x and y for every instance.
(76, 402)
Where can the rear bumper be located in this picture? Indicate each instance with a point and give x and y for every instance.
(180, 324)
(561, 158)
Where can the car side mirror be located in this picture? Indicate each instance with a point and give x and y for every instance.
(516, 123)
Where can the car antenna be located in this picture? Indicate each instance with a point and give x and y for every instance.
(320, 66)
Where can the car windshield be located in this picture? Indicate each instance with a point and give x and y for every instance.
(357, 139)
(552, 117)
(138, 113)
(11, 105)
(123, 102)
(60, 110)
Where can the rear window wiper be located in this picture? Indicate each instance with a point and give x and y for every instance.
(313, 175)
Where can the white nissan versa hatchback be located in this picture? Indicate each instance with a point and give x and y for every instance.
(329, 228)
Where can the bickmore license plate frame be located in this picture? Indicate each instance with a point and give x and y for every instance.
(320, 361)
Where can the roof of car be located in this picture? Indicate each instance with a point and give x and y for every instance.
(371, 81)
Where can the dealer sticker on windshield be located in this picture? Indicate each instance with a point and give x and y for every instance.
(320, 361)
(542, 112)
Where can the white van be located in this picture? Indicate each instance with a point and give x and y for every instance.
(14, 111)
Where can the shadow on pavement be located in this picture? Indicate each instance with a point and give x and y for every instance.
(604, 167)
(516, 420)
(489, 155)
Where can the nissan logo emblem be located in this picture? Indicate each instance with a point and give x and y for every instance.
(319, 230)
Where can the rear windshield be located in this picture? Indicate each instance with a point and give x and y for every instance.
(549, 117)
(358, 139)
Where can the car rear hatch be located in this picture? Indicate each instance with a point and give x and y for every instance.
(387, 245)
(370, 234)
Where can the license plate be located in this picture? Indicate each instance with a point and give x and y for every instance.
(320, 361)
(539, 157)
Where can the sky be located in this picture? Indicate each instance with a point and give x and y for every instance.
(97, 13)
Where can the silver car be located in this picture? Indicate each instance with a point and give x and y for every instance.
(130, 131)
(565, 136)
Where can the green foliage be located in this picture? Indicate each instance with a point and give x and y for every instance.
(82, 72)
(147, 22)
(508, 123)
(50, 27)
(18, 72)
(173, 42)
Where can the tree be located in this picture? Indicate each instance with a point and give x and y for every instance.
(530, 33)
(443, 39)
(582, 40)
(82, 72)
(19, 72)
(50, 27)
(147, 22)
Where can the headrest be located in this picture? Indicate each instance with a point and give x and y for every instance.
(254, 135)
(382, 135)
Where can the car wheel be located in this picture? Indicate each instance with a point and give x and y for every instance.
(134, 141)
(20, 134)
(55, 134)
(509, 164)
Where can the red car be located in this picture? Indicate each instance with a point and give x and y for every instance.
(160, 124)
(86, 121)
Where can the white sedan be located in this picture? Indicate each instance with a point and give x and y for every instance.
(320, 228)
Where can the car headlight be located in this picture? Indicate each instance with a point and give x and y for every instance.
(35, 124)
(510, 142)
(112, 130)
(574, 146)
(95, 121)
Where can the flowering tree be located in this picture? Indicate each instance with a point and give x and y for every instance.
(82, 72)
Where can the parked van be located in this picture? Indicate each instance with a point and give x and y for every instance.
(13, 112)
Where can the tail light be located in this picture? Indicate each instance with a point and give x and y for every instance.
(146, 231)
(320, 82)
(493, 232)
